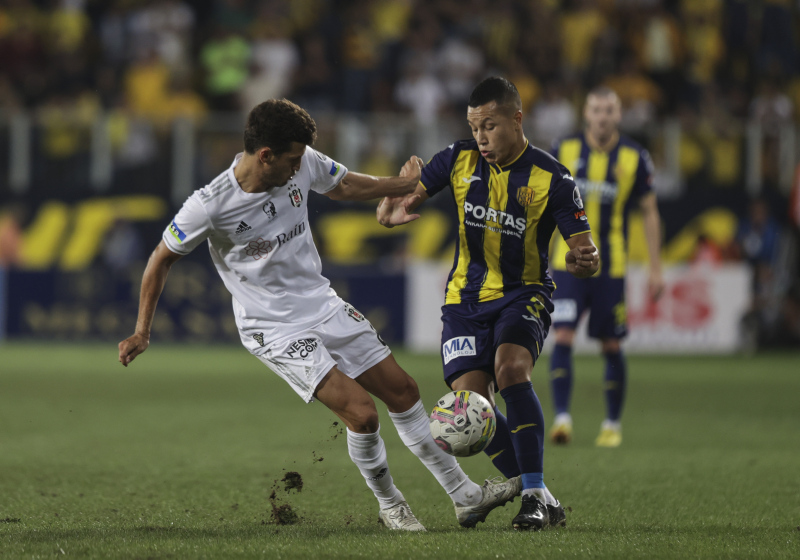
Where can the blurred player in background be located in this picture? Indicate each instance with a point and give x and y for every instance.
(255, 218)
(613, 173)
(510, 197)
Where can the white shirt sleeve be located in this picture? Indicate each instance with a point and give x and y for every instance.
(190, 227)
(324, 172)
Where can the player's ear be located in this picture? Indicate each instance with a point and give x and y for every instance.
(266, 155)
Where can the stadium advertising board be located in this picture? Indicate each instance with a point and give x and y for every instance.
(700, 310)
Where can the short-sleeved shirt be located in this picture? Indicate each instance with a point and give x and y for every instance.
(610, 182)
(262, 247)
(506, 217)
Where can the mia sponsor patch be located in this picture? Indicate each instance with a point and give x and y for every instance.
(302, 348)
(564, 310)
(335, 168)
(457, 347)
(296, 196)
(259, 337)
(176, 232)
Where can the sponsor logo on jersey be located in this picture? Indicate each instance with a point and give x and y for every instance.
(302, 348)
(525, 196)
(457, 347)
(243, 227)
(269, 210)
(259, 337)
(576, 197)
(502, 219)
(335, 168)
(282, 238)
(607, 190)
(176, 232)
(259, 248)
(354, 313)
(580, 215)
(296, 196)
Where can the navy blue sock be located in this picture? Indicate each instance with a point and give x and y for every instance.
(501, 449)
(526, 427)
(561, 377)
(616, 381)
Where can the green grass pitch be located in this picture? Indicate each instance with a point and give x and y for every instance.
(178, 455)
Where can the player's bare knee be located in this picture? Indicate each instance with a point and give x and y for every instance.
(365, 420)
(512, 372)
(565, 336)
(611, 346)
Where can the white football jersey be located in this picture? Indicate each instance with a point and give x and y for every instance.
(262, 247)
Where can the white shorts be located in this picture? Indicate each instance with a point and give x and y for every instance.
(345, 340)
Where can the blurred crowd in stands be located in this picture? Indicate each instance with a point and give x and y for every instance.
(710, 65)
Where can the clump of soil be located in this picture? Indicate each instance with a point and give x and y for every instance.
(10, 520)
(293, 481)
(283, 514)
(336, 430)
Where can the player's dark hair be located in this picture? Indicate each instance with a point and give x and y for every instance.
(496, 89)
(277, 123)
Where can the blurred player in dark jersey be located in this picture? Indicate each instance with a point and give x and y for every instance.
(510, 197)
(613, 174)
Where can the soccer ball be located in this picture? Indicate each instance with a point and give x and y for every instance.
(462, 423)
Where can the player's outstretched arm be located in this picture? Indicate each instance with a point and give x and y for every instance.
(582, 258)
(652, 233)
(398, 210)
(357, 186)
(155, 276)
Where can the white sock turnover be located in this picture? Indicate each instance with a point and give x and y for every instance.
(369, 454)
(414, 430)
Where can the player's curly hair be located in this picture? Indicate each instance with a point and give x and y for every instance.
(275, 124)
(496, 89)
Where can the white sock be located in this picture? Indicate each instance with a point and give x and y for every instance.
(540, 493)
(369, 454)
(611, 425)
(413, 427)
(563, 418)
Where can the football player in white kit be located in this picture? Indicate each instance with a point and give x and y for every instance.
(255, 219)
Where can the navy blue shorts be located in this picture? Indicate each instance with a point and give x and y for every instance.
(473, 331)
(603, 295)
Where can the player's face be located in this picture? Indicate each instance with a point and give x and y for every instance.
(497, 130)
(281, 168)
(602, 114)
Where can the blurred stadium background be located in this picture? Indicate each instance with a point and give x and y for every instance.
(112, 112)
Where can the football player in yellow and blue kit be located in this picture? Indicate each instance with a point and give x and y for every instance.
(510, 197)
(613, 174)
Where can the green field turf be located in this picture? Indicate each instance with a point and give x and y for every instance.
(177, 456)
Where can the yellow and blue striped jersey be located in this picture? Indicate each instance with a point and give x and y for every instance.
(610, 182)
(506, 218)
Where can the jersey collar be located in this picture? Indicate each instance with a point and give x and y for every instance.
(507, 166)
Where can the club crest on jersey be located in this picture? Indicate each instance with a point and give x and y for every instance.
(457, 347)
(259, 337)
(354, 313)
(269, 210)
(302, 347)
(525, 196)
(296, 197)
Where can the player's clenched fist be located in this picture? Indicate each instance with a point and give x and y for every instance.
(132, 347)
(413, 170)
(582, 261)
